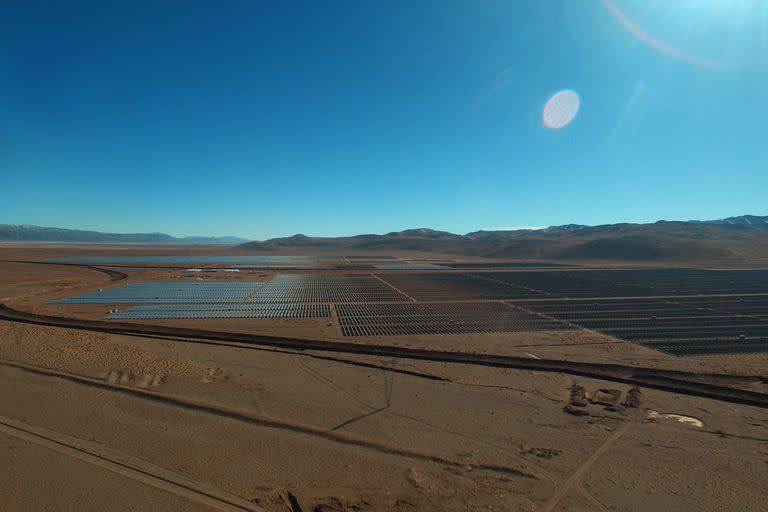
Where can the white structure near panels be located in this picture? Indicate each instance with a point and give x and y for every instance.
(165, 292)
(224, 311)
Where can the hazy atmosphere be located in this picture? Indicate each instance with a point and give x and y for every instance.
(261, 120)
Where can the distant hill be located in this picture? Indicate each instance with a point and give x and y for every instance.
(25, 233)
(734, 238)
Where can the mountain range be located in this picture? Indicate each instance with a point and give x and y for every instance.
(26, 233)
(734, 238)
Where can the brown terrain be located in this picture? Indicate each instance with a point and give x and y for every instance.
(290, 415)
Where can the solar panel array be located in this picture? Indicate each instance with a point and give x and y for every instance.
(502, 264)
(307, 266)
(678, 311)
(326, 288)
(410, 266)
(438, 318)
(224, 311)
(371, 258)
(711, 346)
(454, 286)
(165, 292)
(695, 281)
(636, 283)
(219, 259)
(581, 283)
(746, 305)
(673, 326)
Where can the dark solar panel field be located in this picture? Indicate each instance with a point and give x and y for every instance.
(746, 305)
(503, 264)
(304, 266)
(581, 283)
(409, 266)
(438, 318)
(694, 282)
(711, 346)
(676, 327)
(326, 288)
(455, 287)
(636, 283)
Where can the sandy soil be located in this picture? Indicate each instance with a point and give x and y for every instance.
(96, 421)
(82, 351)
(332, 432)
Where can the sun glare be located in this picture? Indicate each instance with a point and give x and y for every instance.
(709, 33)
(560, 109)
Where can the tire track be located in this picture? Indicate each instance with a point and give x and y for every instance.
(264, 422)
(385, 410)
(575, 478)
(583, 490)
(127, 466)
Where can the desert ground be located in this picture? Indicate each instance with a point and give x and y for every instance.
(291, 414)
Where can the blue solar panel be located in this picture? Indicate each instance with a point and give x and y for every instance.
(223, 311)
(218, 259)
(161, 292)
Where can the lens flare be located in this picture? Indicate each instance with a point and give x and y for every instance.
(665, 48)
(560, 109)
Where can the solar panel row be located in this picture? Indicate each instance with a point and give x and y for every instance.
(674, 326)
(410, 266)
(638, 283)
(578, 283)
(454, 286)
(218, 259)
(300, 266)
(711, 346)
(224, 311)
(749, 305)
(326, 288)
(437, 318)
(169, 292)
(504, 264)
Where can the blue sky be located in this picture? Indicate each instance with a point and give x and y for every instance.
(332, 118)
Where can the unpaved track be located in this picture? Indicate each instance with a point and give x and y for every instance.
(127, 466)
(695, 384)
(575, 478)
(113, 274)
(303, 429)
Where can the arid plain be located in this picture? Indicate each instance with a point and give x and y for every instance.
(507, 406)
